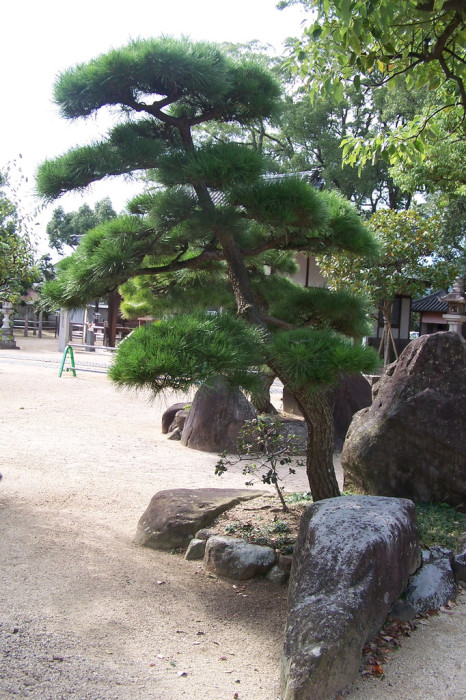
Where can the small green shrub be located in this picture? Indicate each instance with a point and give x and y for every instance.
(264, 447)
(280, 527)
(299, 498)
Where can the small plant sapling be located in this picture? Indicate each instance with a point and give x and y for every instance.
(264, 447)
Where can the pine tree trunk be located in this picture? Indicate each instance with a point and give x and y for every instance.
(314, 406)
(319, 454)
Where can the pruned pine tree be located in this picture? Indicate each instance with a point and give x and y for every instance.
(205, 232)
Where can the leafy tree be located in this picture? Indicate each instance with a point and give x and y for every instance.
(216, 213)
(306, 136)
(310, 137)
(264, 447)
(413, 261)
(379, 42)
(17, 269)
(67, 229)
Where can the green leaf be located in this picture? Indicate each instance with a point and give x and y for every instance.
(345, 11)
(338, 91)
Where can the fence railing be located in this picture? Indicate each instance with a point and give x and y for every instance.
(34, 326)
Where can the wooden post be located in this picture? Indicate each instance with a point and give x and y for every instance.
(113, 306)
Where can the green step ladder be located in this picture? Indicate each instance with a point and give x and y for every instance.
(68, 350)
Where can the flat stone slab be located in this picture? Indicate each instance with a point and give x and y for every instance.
(173, 517)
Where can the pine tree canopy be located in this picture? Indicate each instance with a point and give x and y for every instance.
(218, 226)
(188, 350)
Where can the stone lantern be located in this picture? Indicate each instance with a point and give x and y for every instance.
(7, 340)
(456, 314)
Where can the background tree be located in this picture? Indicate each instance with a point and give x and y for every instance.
(378, 42)
(310, 136)
(17, 269)
(306, 136)
(413, 261)
(215, 209)
(67, 229)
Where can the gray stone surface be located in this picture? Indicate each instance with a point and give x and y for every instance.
(402, 610)
(179, 420)
(196, 549)
(410, 442)
(174, 516)
(438, 552)
(276, 575)
(432, 586)
(205, 533)
(237, 559)
(284, 562)
(168, 416)
(351, 394)
(215, 418)
(458, 566)
(352, 560)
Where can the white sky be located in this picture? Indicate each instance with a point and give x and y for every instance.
(41, 38)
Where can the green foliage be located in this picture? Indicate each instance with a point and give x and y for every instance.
(378, 42)
(299, 497)
(265, 448)
(17, 268)
(311, 359)
(288, 202)
(187, 350)
(222, 214)
(217, 165)
(340, 310)
(309, 136)
(79, 167)
(442, 169)
(66, 229)
(440, 524)
(182, 291)
(411, 261)
(105, 258)
(143, 68)
(196, 76)
(277, 534)
(347, 230)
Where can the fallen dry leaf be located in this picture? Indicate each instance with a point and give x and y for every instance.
(377, 669)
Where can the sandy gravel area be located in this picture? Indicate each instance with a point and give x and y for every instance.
(88, 615)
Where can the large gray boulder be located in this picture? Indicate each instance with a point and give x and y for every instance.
(215, 418)
(237, 559)
(173, 517)
(351, 394)
(352, 560)
(410, 441)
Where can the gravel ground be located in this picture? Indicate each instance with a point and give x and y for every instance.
(86, 614)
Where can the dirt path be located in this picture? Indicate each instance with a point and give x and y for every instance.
(86, 614)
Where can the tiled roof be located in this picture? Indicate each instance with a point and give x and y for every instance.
(431, 303)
